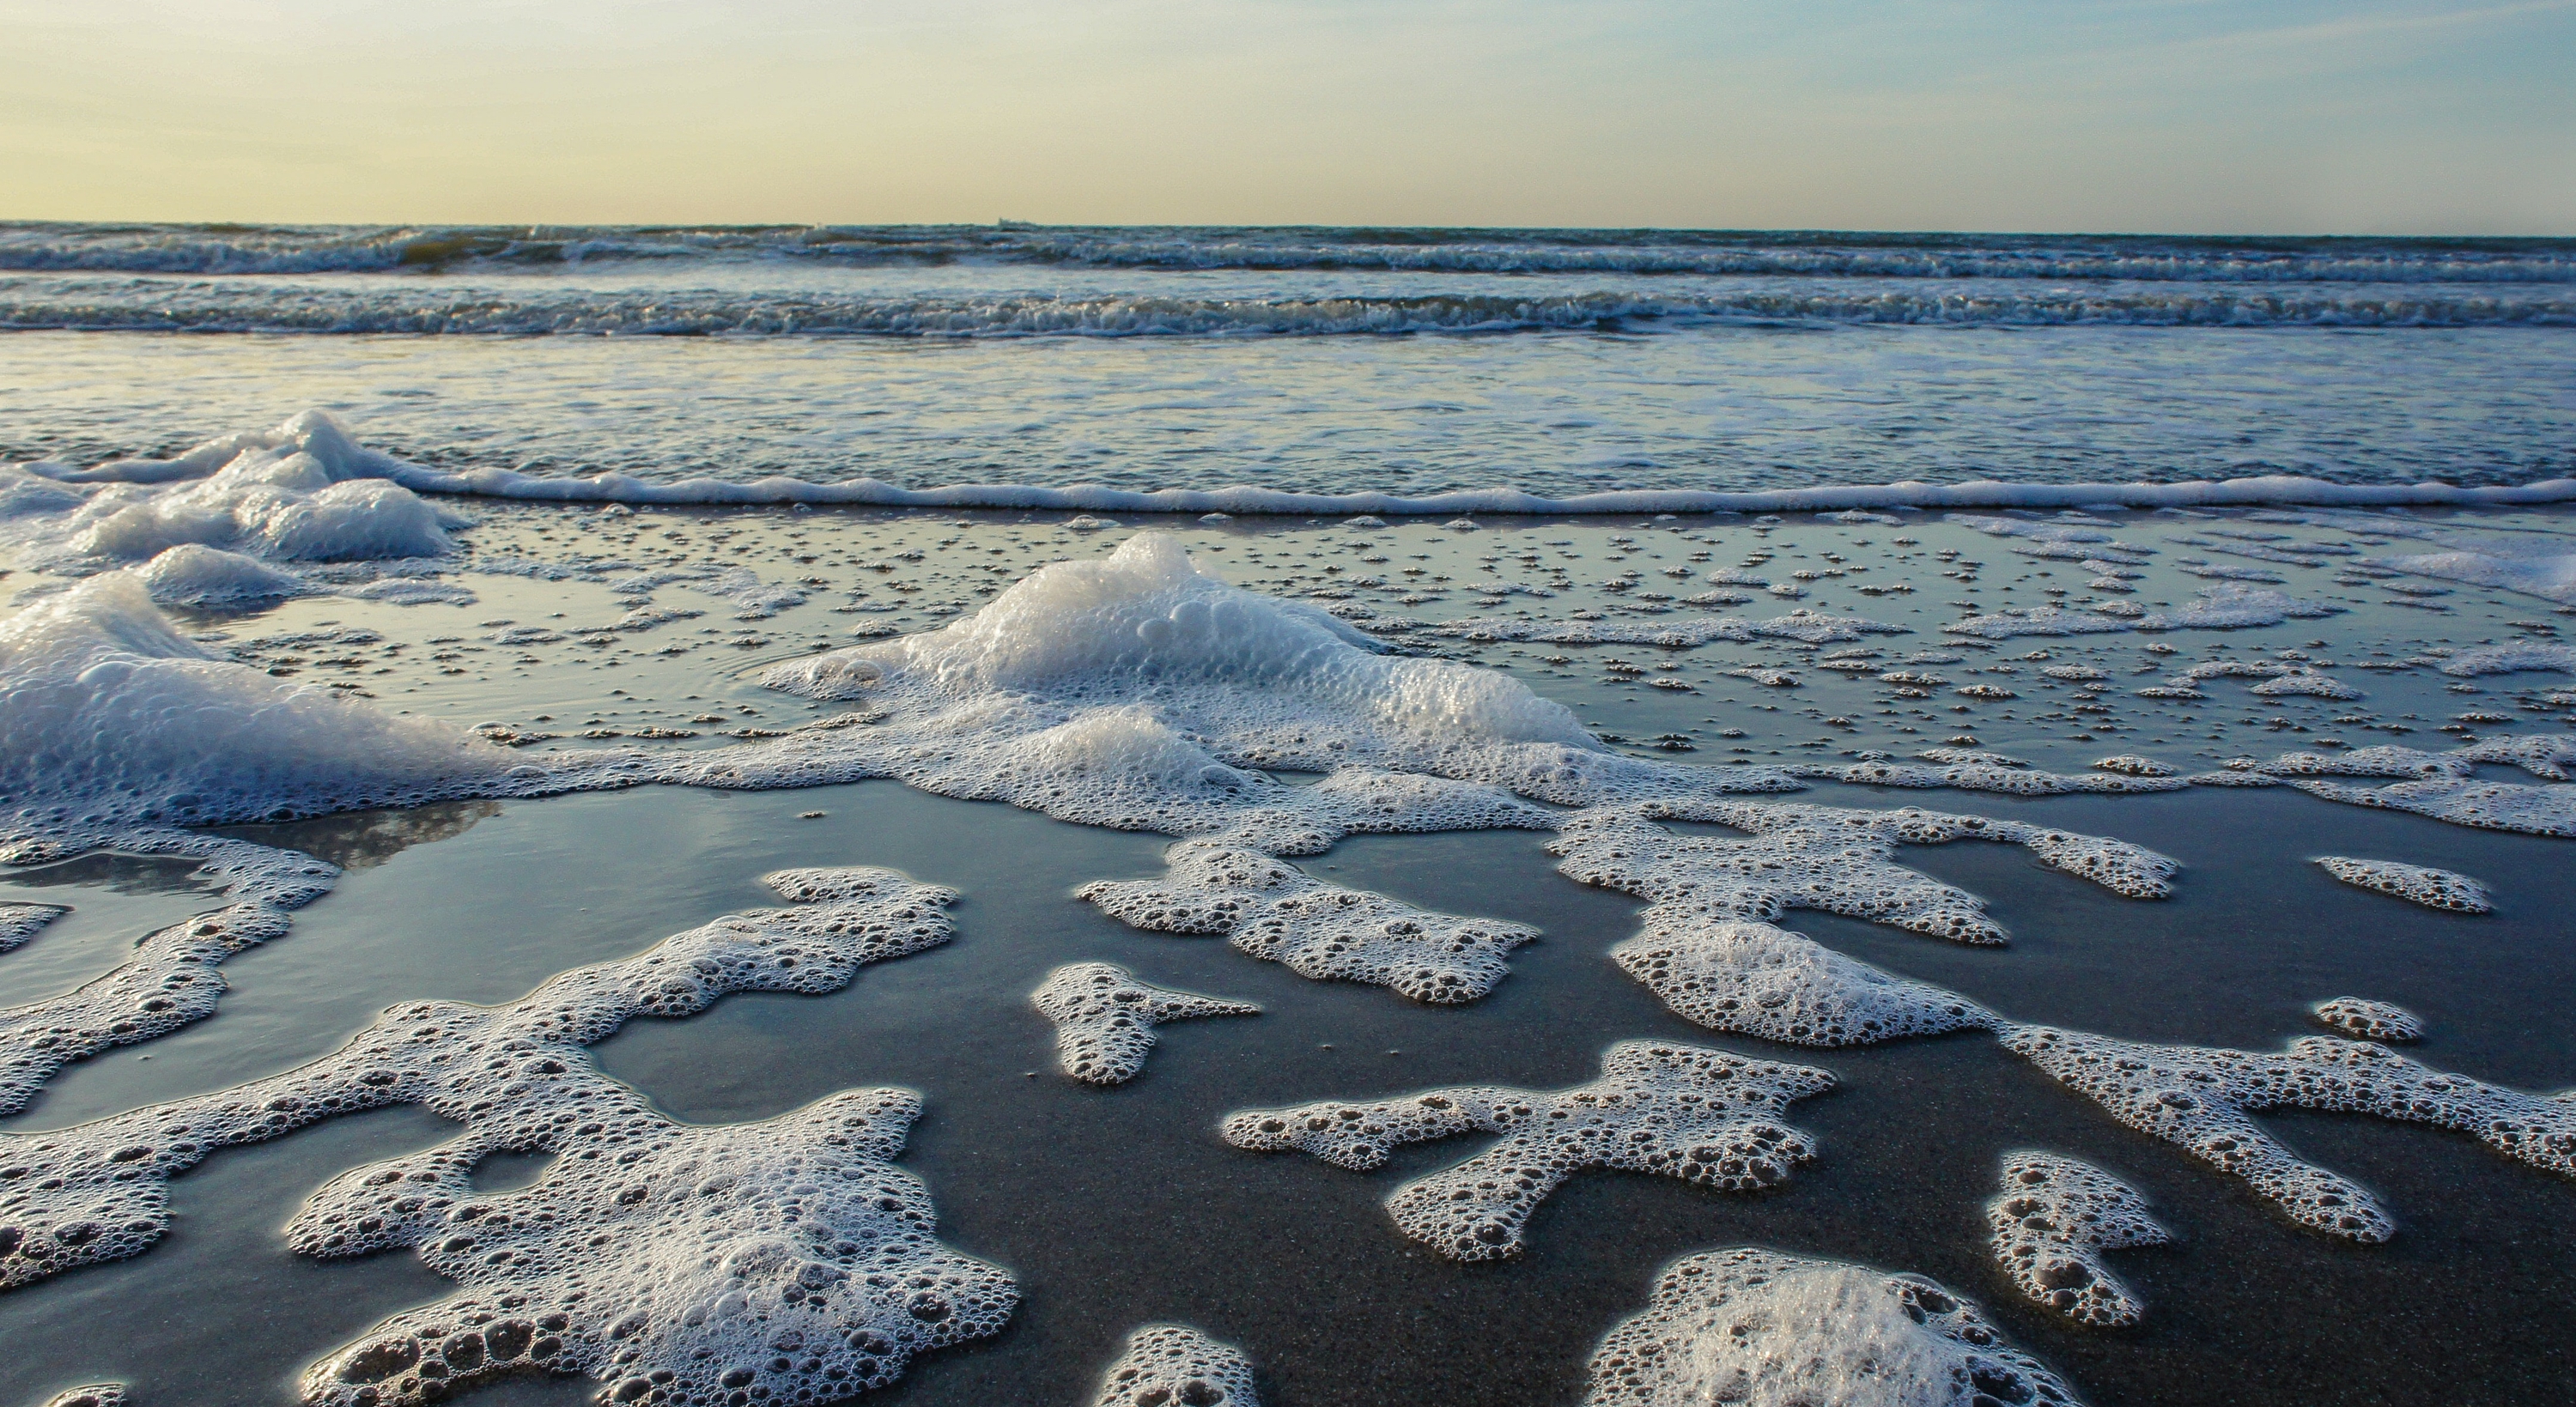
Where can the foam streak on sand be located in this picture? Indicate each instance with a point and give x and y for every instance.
(316, 434)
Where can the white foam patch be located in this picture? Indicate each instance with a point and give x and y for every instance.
(2439, 785)
(2421, 884)
(1174, 1365)
(2508, 659)
(168, 982)
(2219, 608)
(2131, 765)
(1105, 1018)
(1756, 1328)
(1275, 911)
(2051, 1225)
(89, 1395)
(20, 922)
(676, 1263)
(2495, 563)
(2369, 1020)
(108, 717)
(1683, 1111)
(1826, 858)
(2200, 1100)
(1968, 770)
(2305, 683)
(194, 575)
(1756, 980)
(1810, 627)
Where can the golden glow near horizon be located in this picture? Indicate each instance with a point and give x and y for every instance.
(2164, 115)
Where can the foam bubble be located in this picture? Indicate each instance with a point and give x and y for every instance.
(195, 575)
(1683, 1111)
(1276, 912)
(2369, 1020)
(2434, 889)
(2131, 765)
(20, 922)
(168, 982)
(2200, 1099)
(1762, 1329)
(1105, 1018)
(1756, 980)
(1174, 1365)
(2053, 1222)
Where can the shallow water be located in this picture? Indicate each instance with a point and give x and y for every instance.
(1117, 1207)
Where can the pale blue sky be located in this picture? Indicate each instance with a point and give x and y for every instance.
(2167, 115)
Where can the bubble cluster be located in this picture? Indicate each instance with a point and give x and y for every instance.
(2053, 1222)
(2439, 785)
(1969, 770)
(1275, 911)
(1174, 1365)
(2130, 764)
(1826, 858)
(1810, 627)
(1756, 1328)
(169, 982)
(2369, 1020)
(1105, 1018)
(1756, 980)
(2200, 1099)
(2432, 888)
(1683, 1111)
(20, 922)
(675, 1263)
(89, 1395)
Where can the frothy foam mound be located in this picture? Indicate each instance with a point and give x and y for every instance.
(1756, 980)
(2369, 1020)
(2199, 1099)
(1827, 858)
(680, 1264)
(1276, 912)
(1105, 1018)
(108, 717)
(1684, 1111)
(1755, 1328)
(90, 1395)
(301, 492)
(2434, 889)
(1174, 1365)
(169, 982)
(192, 575)
(2053, 1222)
(20, 922)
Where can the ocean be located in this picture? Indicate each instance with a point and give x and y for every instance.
(1306, 816)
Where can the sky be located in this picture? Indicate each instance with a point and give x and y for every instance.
(2216, 116)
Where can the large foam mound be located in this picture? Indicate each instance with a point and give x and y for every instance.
(20, 922)
(168, 982)
(1174, 1365)
(301, 492)
(1684, 1111)
(2421, 884)
(1276, 912)
(1756, 980)
(109, 717)
(1138, 690)
(1756, 1328)
(2053, 1222)
(2200, 1100)
(1105, 1018)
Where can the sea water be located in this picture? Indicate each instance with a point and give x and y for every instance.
(1460, 800)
